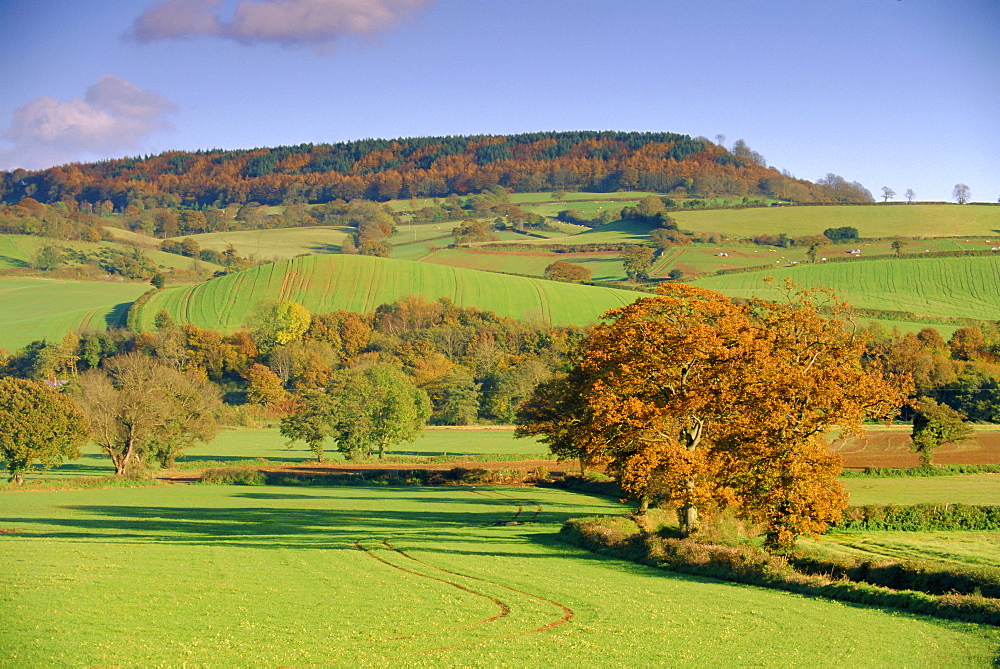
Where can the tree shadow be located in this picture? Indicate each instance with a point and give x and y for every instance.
(116, 317)
(12, 262)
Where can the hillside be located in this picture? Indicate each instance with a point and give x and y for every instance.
(382, 169)
(361, 283)
(33, 308)
(940, 287)
(897, 220)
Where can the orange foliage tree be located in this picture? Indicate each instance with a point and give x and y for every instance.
(693, 400)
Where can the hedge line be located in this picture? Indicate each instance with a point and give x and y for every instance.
(919, 518)
(908, 472)
(755, 567)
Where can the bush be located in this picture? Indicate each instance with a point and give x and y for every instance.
(233, 476)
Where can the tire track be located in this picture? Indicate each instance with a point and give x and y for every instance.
(504, 608)
(566, 612)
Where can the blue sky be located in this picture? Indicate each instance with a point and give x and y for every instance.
(898, 93)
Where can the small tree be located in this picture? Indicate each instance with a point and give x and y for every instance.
(887, 193)
(37, 425)
(365, 409)
(637, 260)
(561, 270)
(960, 193)
(897, 247)
(910, 196)
(935, 425)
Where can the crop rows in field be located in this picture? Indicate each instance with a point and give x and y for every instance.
(33, 308)
(360, 283)
(959, 287)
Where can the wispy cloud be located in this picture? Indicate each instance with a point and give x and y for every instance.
(113, 116)
(316, 23)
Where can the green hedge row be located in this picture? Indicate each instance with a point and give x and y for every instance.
(753, 566)
(907, 472)
(919, 518)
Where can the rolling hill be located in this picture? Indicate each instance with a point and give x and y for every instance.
(940, 287)
(361, 283)
(34, 308)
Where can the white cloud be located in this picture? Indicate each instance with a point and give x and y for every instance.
(316, 23)
(114, 115)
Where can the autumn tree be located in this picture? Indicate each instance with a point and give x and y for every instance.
(141, 410)
(696, 401)
(935, 425)
(561, 270)
(37, 424)
(274, 323)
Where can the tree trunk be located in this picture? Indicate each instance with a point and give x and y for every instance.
(17, 478)
(643, 506)
(689, 519)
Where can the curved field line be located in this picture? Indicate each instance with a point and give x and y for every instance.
(567, 613)
(504, 609)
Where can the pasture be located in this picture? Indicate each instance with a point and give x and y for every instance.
(603, 266)
(912, 220)
(276, 244)
(18, 250)
(361, 283)
(237, 575)
(924, 286)
(35, 308)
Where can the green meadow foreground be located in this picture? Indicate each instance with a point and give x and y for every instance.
(404, 576)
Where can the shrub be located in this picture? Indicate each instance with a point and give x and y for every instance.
(233, 476)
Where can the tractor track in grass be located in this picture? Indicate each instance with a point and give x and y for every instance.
(567, 613)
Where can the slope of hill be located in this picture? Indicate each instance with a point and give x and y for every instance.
(910, 220)
(33, 308)
(361, 283)
(940, 287)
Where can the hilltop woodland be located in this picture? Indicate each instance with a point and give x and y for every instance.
(382, 170)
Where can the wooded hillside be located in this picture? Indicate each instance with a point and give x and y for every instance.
(379, 169)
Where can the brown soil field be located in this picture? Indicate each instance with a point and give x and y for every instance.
(890, 447)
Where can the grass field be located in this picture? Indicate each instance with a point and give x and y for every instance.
(17, 251)
(33, 308)
(961, 489)
(603, 266)
(915, 220)
(964, 286)
(966, 548)
(361, 283)
(229, 575)
(277, 244)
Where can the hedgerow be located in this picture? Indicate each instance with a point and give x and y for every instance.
(750, 565)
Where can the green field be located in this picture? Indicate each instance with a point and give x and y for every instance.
(17, 251)
(603, 266)
(964, 286)
(277, 244)
(33, 308)
(230, 575)
(914, 220)
(361, 283)
(963, 489)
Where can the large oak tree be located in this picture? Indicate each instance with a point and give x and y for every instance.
(697, 401)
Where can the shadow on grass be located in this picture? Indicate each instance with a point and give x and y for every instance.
(117, 316)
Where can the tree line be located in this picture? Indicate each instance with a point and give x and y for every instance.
(423, 167)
